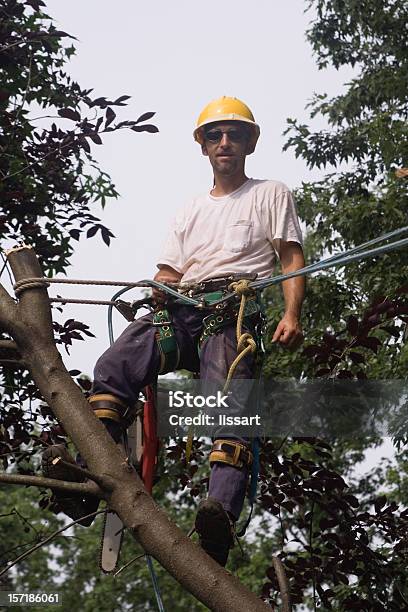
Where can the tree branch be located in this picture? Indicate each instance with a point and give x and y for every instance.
(51, 483)
(283, 584)
(103, 482)
(121, 569)
(8, 345)
(43, 542)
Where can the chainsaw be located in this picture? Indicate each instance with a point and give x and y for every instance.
(140, 446)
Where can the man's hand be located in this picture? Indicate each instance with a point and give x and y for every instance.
(166, 274)
(289, 332)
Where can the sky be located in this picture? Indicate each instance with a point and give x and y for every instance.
(173, 58)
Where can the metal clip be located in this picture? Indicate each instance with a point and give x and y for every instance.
(125, 309)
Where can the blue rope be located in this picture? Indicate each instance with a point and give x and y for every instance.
(110, 311)
(155, 583)
(336, 260)
(339, 259)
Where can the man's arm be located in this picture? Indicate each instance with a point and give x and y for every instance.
(289, 331)
(166, 274)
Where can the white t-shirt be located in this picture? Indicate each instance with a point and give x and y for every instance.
(241, 232)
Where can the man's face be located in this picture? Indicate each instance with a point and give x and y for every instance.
(225, 144)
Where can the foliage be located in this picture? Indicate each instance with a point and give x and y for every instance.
(49, 179)
(342, 541)
(50, 183)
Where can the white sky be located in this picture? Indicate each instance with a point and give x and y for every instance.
(173, 58)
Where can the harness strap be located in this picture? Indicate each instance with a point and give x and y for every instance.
(216, 321)
(166, 341)
(231, 452)
(107, 406)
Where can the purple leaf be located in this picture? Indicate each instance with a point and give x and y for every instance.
(69, 113)
(145, 117)
(95, 138)
(345, 374)
(122, 99)
(92, 231)
(352, 325)
(106, 235)
(110, 115)
(357, 357)
(370, 343)
(380, 503)
(85, 144)
(75, 233)
(145, 128)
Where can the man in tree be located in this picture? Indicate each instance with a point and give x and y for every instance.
(233, 232)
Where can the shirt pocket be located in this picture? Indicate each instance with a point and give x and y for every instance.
(238, 236)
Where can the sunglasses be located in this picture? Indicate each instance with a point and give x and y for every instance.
(234, 135)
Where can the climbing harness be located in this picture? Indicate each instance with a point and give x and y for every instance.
(216, 321)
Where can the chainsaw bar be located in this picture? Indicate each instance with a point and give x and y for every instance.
(113, 528)
(112, 536)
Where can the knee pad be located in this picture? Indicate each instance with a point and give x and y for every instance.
(232, 453)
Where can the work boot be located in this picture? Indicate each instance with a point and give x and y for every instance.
(73, 505)
(215, 530)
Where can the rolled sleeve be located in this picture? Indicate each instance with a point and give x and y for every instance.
(284, 222)
(172, 253)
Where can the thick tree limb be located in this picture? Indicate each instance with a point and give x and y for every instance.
(188, 563)
(90, 488)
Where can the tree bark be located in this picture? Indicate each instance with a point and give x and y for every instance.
(29, 322)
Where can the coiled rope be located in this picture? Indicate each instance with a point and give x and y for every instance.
(245, 341)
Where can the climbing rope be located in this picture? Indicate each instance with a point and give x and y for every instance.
(355, 254)
(42, 281)
(245, 341)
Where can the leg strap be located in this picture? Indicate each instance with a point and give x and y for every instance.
(166, 341)
(110, 407)
(231, 452)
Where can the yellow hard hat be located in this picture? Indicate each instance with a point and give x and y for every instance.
(227, 109)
